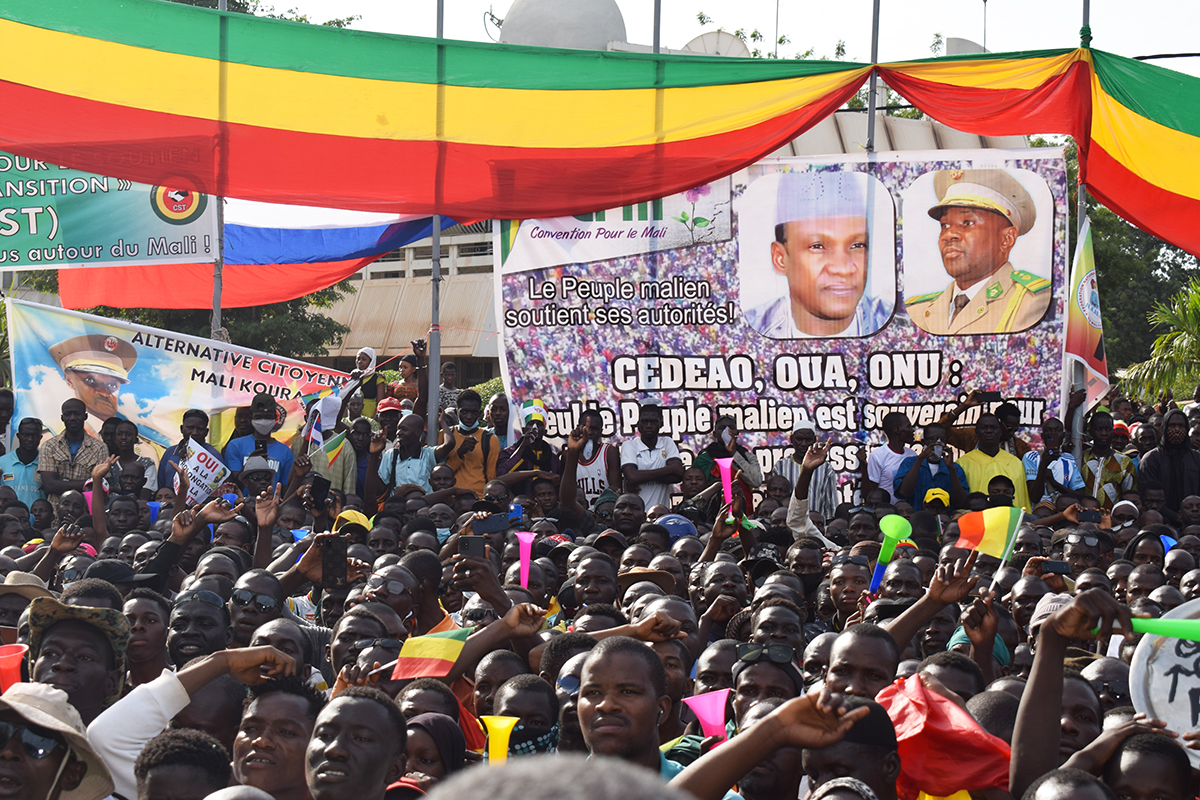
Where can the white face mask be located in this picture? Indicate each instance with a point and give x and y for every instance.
(588, 449)
(263, 426)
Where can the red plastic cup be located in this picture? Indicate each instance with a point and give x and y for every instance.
(11, 656)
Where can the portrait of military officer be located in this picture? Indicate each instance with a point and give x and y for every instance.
(822, 247)
(982, 212)
(96, 366)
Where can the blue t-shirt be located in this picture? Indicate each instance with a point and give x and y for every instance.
(408, 470)
(279, 456)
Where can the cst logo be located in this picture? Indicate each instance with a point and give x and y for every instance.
(177, 206)
(1088, 299)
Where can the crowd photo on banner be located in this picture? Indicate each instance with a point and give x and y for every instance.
(807, 482)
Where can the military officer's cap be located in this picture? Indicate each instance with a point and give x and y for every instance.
(991, 189)
(98, 353)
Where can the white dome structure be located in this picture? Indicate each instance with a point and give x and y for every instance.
(575, 24)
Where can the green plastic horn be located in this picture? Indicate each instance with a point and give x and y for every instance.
(1175, 628)
(895, 528)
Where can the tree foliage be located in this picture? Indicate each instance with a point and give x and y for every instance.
(1174, 361)
(294, 329)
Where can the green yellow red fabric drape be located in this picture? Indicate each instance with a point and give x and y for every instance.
(165, 93)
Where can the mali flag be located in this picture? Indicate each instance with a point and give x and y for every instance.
(989, 531)
(333, 448)
(430, 656)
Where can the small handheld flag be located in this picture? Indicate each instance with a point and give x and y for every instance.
(333, 448)
(989, 531)
(430, 656)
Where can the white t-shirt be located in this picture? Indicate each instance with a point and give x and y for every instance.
(635, 452)
(882, 464)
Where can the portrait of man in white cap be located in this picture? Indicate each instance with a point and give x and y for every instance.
(822, 247)
(982, 212)
(96, 366)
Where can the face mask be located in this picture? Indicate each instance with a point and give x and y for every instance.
(528, 740)
(810, 581)
(465, 429)
(588, 450)
(1176, 436)
(726, 438)
(442, 535)
(263, 426)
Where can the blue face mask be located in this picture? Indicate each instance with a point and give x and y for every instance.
(442, 535)
(465, 429)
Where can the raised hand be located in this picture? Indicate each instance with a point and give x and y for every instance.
(814, 720)
(266, 508)
(953, 582)
(218, 511)
(658, 627)
(101, 470)
(1093, 610)
(816, 455)
(980, 621)
(524, 619)
(576, 441)
(251, 665)
(67, 539)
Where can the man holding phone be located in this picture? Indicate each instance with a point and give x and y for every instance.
(1010, 422)
(1053, 470)
(934, 468)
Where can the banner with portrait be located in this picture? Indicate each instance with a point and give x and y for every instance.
(832, 289)
(147, 375)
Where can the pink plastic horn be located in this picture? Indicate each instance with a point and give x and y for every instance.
(526, 540)
(725, 467)
(709, 708)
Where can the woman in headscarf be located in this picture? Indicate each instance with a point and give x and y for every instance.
(436, 748)
(369, 384)
(1173, 464)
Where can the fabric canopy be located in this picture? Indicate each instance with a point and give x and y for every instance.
(262, 109)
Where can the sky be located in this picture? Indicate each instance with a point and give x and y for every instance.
(1126, 27)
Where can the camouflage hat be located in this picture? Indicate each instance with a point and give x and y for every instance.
(46, 612)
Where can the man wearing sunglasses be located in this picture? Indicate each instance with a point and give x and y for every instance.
(762, 672)
(199, 626)
(257, 599)
(1082, 550)
(46, 752)
(397, 588)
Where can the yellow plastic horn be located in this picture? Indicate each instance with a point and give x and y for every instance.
(499, 730)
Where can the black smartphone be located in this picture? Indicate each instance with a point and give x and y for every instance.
(990, 397)
(490, 524)
(1089, 516)
(320, 491)
(333, 562)
(1056, 568)
(473, 546)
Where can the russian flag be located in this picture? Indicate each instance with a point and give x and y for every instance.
(273, 253)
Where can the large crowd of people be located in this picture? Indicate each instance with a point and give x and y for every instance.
(243, 647)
